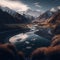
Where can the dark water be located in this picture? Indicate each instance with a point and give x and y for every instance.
(28, 42)
(24, 40)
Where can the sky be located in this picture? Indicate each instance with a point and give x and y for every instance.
(24, 5)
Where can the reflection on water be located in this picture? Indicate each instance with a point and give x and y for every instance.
(21, 37)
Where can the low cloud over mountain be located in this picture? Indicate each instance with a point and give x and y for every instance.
(14, 5)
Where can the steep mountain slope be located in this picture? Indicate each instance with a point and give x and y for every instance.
(55, 23)
(50, 24)
(11, 20)
(8, 16)
(44, 16)
(47, 15)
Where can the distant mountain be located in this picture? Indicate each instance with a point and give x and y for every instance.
(29, 17)
(32, 13)
(44, 16)
(47, 15)
(8, 16)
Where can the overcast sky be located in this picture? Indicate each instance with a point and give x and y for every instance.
(23, 5)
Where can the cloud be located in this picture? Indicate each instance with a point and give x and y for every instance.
(15, 5)
(37, 5)
(58, 7)
(38, 10)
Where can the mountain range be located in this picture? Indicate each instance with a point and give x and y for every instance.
(34, 13)
(50, 18)
(8, 16)
(47, 15)
(49, 22)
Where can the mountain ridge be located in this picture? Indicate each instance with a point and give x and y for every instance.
(9, 16)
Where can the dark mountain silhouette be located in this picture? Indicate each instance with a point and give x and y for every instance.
(11, 21)
(6, 17)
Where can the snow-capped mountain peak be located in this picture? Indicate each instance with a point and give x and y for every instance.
(55, 9)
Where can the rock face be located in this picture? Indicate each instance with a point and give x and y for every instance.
(49, 22)
(55, 23)
(55, 40)
(43, 17)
